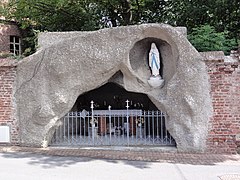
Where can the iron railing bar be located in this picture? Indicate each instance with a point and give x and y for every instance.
(142, 126)
(93, 123)
(64, 128)
(72, 129)
(57, 135)
(132, 126)
(60, 130)
(127, 122)
(76, 126)
(96, 129)
(162, 139)
(122, 124)
(165, 130)
(114, 126)
(136, 130)
(149, 126)
(110, 131)
(157, 126)
(80, 125)
(119, 130)
(88, 134)
(105, 128)
(145, 127)
(68, 129)
(84, 128)
(153, 119)
(170, 138)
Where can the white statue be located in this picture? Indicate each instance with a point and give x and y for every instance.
(154, 60)
(155, 80)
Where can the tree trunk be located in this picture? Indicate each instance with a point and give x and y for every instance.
(126, 12)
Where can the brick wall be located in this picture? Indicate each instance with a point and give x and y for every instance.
(7, 30)
(225, 93)
(7, 79)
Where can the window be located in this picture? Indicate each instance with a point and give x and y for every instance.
(15, 45)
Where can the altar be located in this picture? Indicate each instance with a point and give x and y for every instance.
(117, 122)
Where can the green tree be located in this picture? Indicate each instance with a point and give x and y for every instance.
(128, 12)
(223, 15)
(205, 38)
(68, 15)
(51, 15)
(85, 15)
(54, 15)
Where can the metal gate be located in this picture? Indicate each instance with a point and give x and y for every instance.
(126, 127)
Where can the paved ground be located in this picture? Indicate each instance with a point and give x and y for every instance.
(63, 163)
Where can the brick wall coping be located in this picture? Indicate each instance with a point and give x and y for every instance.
(220, 62)
(213, 55)
(218, 56)
(6, 62)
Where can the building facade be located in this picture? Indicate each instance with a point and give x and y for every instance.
(10, 39)
(10, 36)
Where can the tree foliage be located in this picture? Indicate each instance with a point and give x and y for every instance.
(205, 38)
(85, 15)
(54, 15)
(223, 15)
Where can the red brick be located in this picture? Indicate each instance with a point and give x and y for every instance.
(225, 123)
(6, 100)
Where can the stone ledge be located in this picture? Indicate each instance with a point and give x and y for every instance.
(213, 56)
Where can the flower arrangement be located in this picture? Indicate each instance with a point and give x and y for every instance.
(140, 121)
(94, 121)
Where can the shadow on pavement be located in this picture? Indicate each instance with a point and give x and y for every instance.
(58, 157)
(52, 161)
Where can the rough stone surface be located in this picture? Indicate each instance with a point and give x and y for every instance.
(48, 38)
(49, 82)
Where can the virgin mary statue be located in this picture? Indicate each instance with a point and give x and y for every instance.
(154, 60)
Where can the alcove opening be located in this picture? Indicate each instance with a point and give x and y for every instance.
(136, 122)
(114, 95)
(139, 58)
